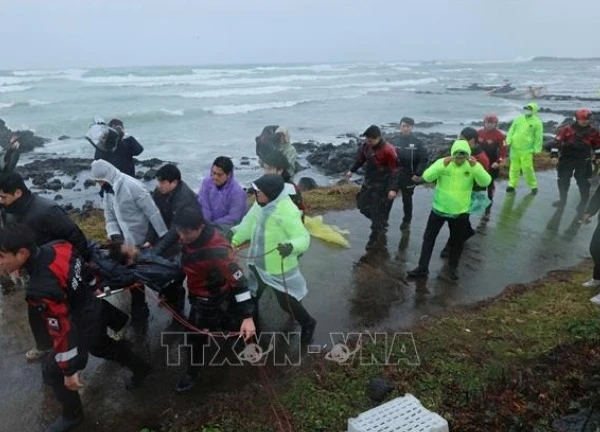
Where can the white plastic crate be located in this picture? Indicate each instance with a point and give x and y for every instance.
(403, 414)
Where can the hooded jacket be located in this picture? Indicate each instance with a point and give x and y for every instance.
(287, 149)
(129, 208)
(122, 156)
(225, 205)
(577, 142)
(526, 133)
(266, 227)
(454, 183)
(412, 156)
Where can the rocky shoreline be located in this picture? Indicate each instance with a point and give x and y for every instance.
(51, 174)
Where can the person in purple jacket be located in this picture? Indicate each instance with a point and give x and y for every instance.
(222, 198)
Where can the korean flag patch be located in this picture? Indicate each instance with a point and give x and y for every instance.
(53, 324)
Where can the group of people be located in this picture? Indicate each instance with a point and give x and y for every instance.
(203, 231)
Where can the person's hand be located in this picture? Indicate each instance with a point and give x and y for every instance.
(416, 179)
(285, 249)
(247, 329)
(146, 245)
(392, 195)
(14, 142)
(447, 160)
(472, 161)
(495, 165)
(116, 238)
(73, 382)
(585, 219)
(554, 161)
(348, 175)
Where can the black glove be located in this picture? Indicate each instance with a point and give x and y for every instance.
(117, 238)
(285, 250)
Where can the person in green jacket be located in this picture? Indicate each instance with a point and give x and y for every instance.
(524, 139)
(454, 177)
(277, 237)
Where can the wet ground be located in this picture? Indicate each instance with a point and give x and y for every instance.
(525, 238)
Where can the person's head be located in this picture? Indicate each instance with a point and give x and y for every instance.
(17, 244)
(283, 135)
(460, 151)
(103, 172)
(276, 163)
(268, 188)
(168, 177)
(12, 187)
(406, 126)
(372, 135)
(189, 224)
(583, 117)
(531, 109)
(470, 135)
(490, 122)
(117, 125)
(222, 170)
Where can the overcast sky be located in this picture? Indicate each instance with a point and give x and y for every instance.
(87, 33)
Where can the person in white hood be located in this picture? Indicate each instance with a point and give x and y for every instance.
(128, 211)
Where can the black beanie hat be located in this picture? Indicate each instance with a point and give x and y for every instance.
(270, 184)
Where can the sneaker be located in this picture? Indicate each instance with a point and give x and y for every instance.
(596, 300)
(453, 274)
(64, 424)
(308, 331)
(592, 283)
(118, 335)
(445, 253)
(404, 225)
(35, 354)
(418, 272)
(534, 191)
(558, 204)
(186, 383)
(510, 189)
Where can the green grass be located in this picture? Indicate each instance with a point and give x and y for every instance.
(466, 357)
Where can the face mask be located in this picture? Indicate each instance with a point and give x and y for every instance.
(527, 112)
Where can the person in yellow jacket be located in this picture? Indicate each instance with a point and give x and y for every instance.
(454, 177)
(524, 139)
(277, 237)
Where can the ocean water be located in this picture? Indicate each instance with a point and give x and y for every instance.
(192, 114)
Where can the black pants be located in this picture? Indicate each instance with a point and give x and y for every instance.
(595, 251)
(458, 233)
(286, 302)
(407, 202)
(215, 317)
(98, 344)
(581, 169)
(373, 202)
(174, 295)
(114, 317)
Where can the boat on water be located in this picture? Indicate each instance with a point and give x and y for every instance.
(530, 92)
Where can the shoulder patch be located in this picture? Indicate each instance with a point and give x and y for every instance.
(53, 323)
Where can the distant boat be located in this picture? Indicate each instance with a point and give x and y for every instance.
(475, 87)
(529, 93)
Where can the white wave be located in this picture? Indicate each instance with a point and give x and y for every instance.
(247, 108)
(35, 102)
(400, 83)
(11, 80)
(175, 80)
(13, 88)
(177, 113)
(237, 92)
(458, 70)
(6, 105)
(313, 68)
(49, 73)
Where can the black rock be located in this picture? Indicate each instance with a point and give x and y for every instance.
(77, 190)
(88, 206)
(64, 137)
(28, 140)
(54, 185)
(307, 183)
(151, 163)
(68, 166)
(150, 174)
(245, 161)
(378, 389)
(306, 147)
(67, 207)
(89, 183)
(38, 179)
(139, 175)
(58, 197)
(69, 185)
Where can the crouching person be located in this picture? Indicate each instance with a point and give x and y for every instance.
(218, 290)
(75, 318)
(277, 237)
